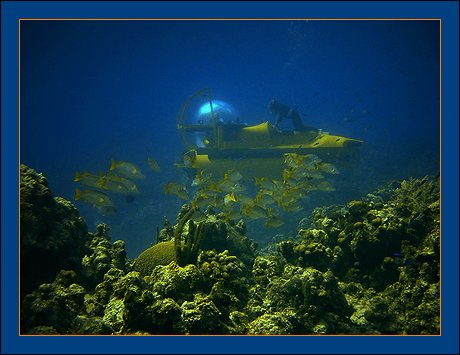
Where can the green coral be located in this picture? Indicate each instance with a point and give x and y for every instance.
(159, 254)
(183, 250)
(271, 324)
(310, 251)
(53, 235)
(201, 316)
(90, 325)
(189, 237)
(368, 267)
(395, 251)
(54, 304)
(178, 283)
(115, 314)
(103, 256)
(187, 249)
(266, 268)
(227, 278)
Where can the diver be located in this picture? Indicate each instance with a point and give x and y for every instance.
(283, 111)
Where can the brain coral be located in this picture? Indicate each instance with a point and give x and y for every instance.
(159, 254)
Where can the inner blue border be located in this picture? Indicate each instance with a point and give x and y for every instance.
(447, 11)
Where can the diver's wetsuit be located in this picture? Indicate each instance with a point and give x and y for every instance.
(282, 111)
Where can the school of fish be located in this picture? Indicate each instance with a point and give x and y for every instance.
(119, 179)
(261, 198)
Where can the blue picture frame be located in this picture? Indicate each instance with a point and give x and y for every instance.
(447, 342)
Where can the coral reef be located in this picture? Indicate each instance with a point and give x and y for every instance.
(103, 256)
(385, 251)
(66, 306)
(313, 300)
(184, 241)
(368, 267)
(52, 234)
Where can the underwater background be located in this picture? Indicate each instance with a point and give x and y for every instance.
(92, 91)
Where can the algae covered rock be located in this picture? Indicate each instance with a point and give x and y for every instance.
(266, 268)
(315, 296)
(176, 282)
(371, 266)
(102, 255)
(201, 316)
(53, 305)
(272, 324)
(90, 325)
(166, 317)
(55, 244)
(227, 279)
(307, 252)
(52, 234)
(387, 257)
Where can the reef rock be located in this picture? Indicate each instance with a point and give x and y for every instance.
(52, 234)
(368, 267)
(213, 233)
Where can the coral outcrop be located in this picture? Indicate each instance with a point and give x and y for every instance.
(52, 234)
(368, 267)
(184, 241)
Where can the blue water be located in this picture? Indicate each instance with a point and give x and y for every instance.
(96, 90)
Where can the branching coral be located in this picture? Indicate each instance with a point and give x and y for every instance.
(187, 250)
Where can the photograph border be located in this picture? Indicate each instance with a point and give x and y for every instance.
(14, 12)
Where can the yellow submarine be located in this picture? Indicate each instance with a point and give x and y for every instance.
(217, 144)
